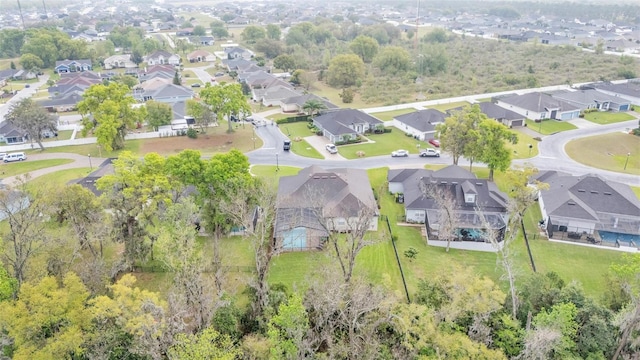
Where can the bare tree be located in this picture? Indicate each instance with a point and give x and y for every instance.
(448, 218)
(25, 210)
(253, 208)
(539, 343)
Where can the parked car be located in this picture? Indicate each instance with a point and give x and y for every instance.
(287, 145)
(11, 157)
(429, 153)
(400, 153)
(2, 155)
(219, 73)
(332, 149)
(434, 142)
(195, 85)
(27, 86)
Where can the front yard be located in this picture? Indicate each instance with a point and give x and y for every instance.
(608, 152)
(605, 117)
(383, 144)
(521, 149)
(549, 126)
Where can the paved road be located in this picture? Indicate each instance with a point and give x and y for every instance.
(79, 161)
(22, 94)
(202, 74)
(551, 157)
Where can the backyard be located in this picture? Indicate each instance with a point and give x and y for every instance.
(615, 152)
(549, 126)
(389, 115)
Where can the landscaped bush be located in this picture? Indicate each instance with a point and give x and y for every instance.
(293, 119)
(192, 133)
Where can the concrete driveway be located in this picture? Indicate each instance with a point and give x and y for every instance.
(318, 143)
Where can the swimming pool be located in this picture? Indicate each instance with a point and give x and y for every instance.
(624, 239)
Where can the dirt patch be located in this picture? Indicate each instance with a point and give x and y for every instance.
(208, 143)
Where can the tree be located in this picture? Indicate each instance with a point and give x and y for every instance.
(27, 235)
(30, 61)
(448, 219)
(219, 32)
(393, 60)
(288, 329)
(127, 80)
(158, 114)
(273, 32)
(284, 62)
(199, 30)
(313, 106)
(345, 70)
(495, 153)
(11, 41)
(130, 323)
(176, 78)
(436, 35)
(206, 345)
(560, 318)
(225, 99)
(453, 134)
(365, 47)
(107, 111)
(201, 113)
(270, 48)
(48, 320)
(432, 60)
(134, 192)
(8, 285)
(253, 33)
(628, 273)
(31, 118)
(304, 78)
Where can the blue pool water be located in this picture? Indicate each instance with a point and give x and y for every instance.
(475, 234)
(624, 239)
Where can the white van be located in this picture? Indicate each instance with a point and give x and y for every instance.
(19, 156)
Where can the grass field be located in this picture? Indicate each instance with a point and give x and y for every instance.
(549, 126)
(130, 145)
(62, 135)
(448, 106)
(389, 115)
(521, 149)
(23, 167)
(608, 152)
(384, 145)
(605, 117)
(60, 178)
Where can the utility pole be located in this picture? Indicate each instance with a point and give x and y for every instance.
(21, 16)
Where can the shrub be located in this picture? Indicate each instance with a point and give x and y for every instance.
(387, 130)
(192, 133)
(293, 119)
(537, 138)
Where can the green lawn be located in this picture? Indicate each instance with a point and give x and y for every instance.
(605, 117)
(549, 126)
(23, 167)
(269, 171)
(296, 132)
(608, 151)
(296, 129)
(636, 190)
(448, 106)
(303, 148)
(521, 149)
(389, 115)
(130, 145)
(62, 177)
(62, 135)
(383, 144)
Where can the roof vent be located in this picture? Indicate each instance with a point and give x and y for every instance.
(454, 183)
(443, 182)
(333, 176)
(479, 183)
(325, 177)
(594, 192)
(316, 176)
(607, 193)
(581, 190)
(571, 203)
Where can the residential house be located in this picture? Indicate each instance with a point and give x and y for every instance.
(11, 135)
(345, 124)
(205, 40)
(506, 117)
(420, 124)
(588, 205)
(317, 201)
(593, 99)
(14, 202)
(629, 91)
(241, 65)
(201, 55)
(478, 203)
(538, 106)
(156, 71)
(296, 103)
(238, 53)
(184, 32)
(168, 93)
(119, 62)
(273, 95)
(66, 102)
(15, 74)
(67, 66)
(161, 57)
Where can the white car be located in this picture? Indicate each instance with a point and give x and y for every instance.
(400, 153)
(332, 149)
(429, 153)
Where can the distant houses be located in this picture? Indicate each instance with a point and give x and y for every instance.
(67, 66)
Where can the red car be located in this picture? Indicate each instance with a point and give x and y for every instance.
(434, 142)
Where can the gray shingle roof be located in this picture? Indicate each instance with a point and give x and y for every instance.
(302, 99)
(494, 111)
(538, 102)
(629, 89)
(587, 97)
(422, 120)
(337, 122)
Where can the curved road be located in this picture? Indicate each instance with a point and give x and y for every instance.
(79, 161)
(551, 154)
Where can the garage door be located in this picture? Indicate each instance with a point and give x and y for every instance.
(516, 122)
(624, 107)
(295, 239)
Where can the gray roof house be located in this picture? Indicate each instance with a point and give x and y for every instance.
(296, 103)
(66, 102)
(538, 106)
(628, 91)
(238, 53)
(593, 99)
(273, 95)
(474, 198)
(577, 207)
(66, 66)
(11, 135)
(161, 57)
(168, 93)
(345, 124)
(119, 61)
(343, 198)
(421, 124)
(506, 117)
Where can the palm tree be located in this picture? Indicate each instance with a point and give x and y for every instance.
(313, 106)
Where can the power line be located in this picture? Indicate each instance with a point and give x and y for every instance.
(21, 16)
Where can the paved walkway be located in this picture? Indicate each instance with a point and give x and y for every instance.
(79, 161)
(319, 143)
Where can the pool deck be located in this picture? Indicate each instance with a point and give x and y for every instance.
(622, 248)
